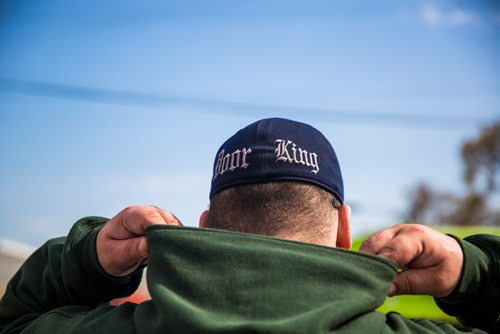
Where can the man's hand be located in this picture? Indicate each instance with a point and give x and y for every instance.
(431, 262)
(121, 244)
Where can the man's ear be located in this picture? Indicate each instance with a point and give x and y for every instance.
(203, 219)
(344, 239)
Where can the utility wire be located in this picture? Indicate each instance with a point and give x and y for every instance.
(221, 106)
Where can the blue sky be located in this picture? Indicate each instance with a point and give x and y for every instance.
(146, 93)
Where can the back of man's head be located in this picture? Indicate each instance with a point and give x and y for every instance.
(279, 178)
(283, 209)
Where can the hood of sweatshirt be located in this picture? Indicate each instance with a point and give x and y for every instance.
(212, 281)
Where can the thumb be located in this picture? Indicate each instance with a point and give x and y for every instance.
(142, 247)
(137, 249)
(136, 253)
(410, 282)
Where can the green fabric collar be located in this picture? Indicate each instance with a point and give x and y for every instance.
(212, 281)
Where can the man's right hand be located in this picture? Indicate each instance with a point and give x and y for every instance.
(121, 244)
(431, 262)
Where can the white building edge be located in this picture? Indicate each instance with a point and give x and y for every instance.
(12, 256)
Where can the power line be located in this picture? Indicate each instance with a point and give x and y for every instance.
(221, 106)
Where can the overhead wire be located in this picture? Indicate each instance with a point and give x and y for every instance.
(225, 106)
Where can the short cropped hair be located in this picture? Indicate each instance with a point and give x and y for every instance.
(275, 208)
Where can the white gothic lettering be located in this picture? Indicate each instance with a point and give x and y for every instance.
(299, 156)
(231, 161)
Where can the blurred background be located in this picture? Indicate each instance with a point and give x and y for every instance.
(115, 103)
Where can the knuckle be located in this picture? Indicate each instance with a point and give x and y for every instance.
(142, 211)
(130, 209)
(376, 237)
(415, 228)
(376, 241)
(390, 251)
(396, 251)
(150, 214)
(368, 243)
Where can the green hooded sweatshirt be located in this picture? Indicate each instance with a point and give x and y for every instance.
(211, 281)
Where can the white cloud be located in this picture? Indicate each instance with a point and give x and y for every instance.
(460, 17)
(431, 15)
(434, 16)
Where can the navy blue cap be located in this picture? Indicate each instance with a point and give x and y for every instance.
(277, 149)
